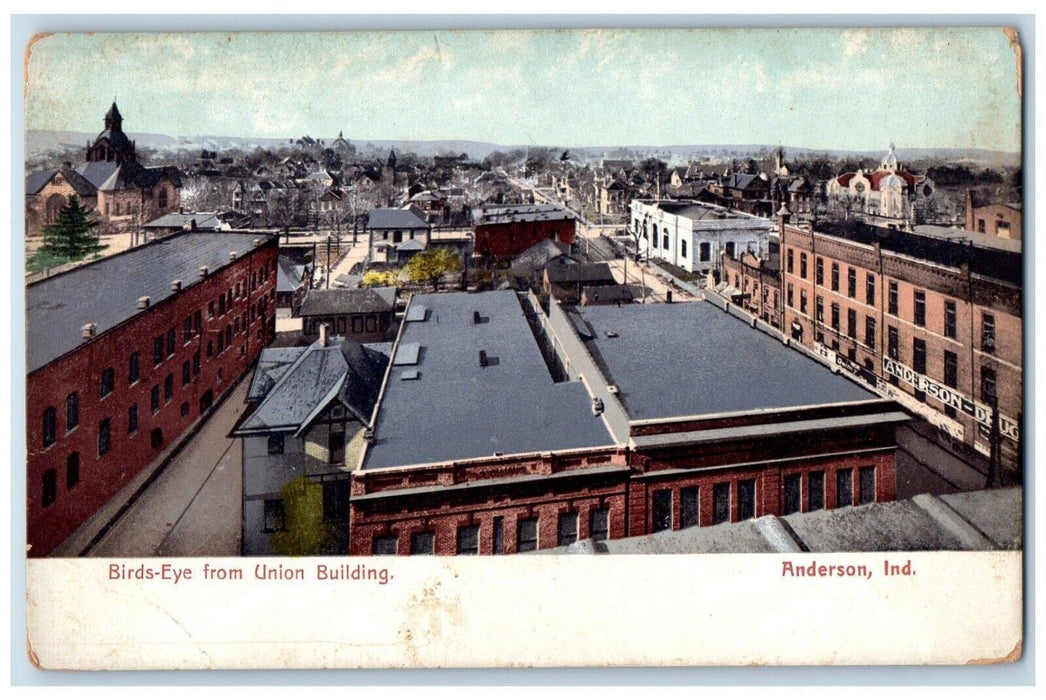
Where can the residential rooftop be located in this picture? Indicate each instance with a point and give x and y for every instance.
(441, 403)
(329, 302)
(106, 292)
(688, 359)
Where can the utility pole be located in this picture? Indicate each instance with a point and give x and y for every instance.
(328, 261)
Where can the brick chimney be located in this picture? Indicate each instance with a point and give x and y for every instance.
(323, 335)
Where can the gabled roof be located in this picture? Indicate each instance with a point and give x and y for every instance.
(329, 302)
(394, 218)
(34, 182)
(581, 272)
(288, 276)
(540, 254)
(294, 385)
(205, 221)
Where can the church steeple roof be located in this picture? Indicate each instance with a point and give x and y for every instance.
(113, 119)
(392, 158)
(113, 113)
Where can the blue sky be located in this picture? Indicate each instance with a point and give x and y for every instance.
(817, 88)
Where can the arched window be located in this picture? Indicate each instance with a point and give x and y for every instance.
(54, 207)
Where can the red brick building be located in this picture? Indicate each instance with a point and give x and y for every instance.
(124, 354)
(931, 322)
(755, 283)
(505, 231)
(696, 435)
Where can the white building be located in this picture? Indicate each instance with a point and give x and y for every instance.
(885, 197)
(691, 234)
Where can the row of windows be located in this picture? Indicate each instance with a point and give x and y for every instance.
(814, 492)
(987, 392)
(851, 276)
(527, 529)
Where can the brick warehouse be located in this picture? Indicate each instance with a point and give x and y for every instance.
(931, 322)
(123, 354)
(682, 447)
(508, 230)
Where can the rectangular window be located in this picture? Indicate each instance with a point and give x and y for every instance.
(567, 529)
(154, 398)
(385, 546)
(108, 379)
(662, 510)
(792, 493)
(790, 260)
(706, 252)
(133, 369)
(132, 419)
(819, 271)
(168, 387)
(690, 506)
(186, 372)
(187, 329)
(891, 300)
(210, 309)
(103, 437)
(892, 343)
(72, 470)
(499, 535)
(988, 395)
(789, 296)
(919, 363)
(866, 485)
(820, 309)
(221, 305)
(196, 321)
(336, 501)
(423, 543)
(50, 426)
(746, 499)
(835, 317)
(72, 411)
(275, 444)
(951, 377)
(599, 524)
(815, 489)
(851, 323)
(949, 319)
(869, 289)
(802, 265)
(210, 348)
(273, 518)
(835, 277)
(158, 350)
(527, 535)
(170, 341)
(720, 503)
(802, 301)
(987, 332)
(468, 539)
(196, 363)
(920, 308)
(851, 283)
(844, 487)
(869, 331)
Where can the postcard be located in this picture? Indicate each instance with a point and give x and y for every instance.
(517, 348)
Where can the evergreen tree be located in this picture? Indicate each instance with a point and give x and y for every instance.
(71, 236)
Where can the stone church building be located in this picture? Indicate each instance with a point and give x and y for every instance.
(121, 192)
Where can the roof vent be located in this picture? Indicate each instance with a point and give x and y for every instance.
(482, 358)
(176, 285)
(499, 454)
(232, 255)
(143, 302)
(87, 332)
(597, 406)
(255, 242)
(611, 334)
(368, 435)
(203, 271)
(612, 388)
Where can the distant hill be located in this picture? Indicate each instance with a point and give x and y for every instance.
(40, 144)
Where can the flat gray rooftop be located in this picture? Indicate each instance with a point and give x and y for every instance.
(451, 407)
(692, 358)
(106, 292)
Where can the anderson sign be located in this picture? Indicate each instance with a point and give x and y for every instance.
(981, 413)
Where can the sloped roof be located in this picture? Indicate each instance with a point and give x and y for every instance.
(288, 276)
(394, 218)
(205, 221)
(328, 302)
(540, 254)
(581, 272)
(294, 390)
(34, 182)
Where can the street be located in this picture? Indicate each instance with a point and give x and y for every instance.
(194, 507)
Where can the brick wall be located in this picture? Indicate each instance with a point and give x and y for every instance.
(101, 476)
(506, 240)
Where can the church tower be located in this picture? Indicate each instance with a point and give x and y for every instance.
(112, 145)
